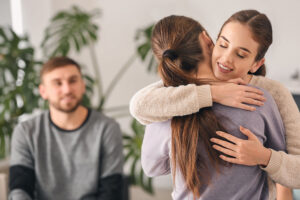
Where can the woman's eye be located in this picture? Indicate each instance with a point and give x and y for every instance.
(222, 46)
(240, 56)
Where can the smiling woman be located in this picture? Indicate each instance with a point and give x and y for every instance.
(238, 53)
(230, 57)
(183, 52)
(241, 46)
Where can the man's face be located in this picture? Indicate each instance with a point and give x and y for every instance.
(63, 88)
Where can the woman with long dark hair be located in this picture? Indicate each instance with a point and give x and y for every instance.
(156, 103)
(182, 145)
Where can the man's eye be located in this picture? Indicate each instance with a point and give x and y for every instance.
(73, 81)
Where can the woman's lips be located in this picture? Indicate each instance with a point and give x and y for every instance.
(223, 68)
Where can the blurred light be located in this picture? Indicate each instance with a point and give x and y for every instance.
(16, 15)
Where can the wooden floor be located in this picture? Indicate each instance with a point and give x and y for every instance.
(160, 194)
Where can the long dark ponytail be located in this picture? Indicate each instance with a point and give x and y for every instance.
(175, 42)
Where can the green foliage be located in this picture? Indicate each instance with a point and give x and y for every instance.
(74, 29)
(132, 147)
(89, 82)
(68, 30)
(18, 82)
(143, 36)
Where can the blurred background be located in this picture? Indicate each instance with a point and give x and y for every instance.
(117, 60)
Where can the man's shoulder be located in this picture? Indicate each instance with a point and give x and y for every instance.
(100, 118)
(32, 120)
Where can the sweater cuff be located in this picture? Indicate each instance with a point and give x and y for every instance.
(204, 96)
(19, 194)
(274, 163)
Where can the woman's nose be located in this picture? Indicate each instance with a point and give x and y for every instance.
(227, 57)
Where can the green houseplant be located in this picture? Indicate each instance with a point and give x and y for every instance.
(69, 30)
(18, 82)
(75, 29)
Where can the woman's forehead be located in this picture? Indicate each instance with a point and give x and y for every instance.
(239, 35)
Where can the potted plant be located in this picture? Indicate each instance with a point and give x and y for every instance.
(72, 29)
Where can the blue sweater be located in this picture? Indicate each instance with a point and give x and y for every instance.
(235, 182)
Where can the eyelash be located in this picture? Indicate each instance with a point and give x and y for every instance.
(240, 56)
(222, 46)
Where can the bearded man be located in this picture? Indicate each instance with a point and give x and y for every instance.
(69, 151)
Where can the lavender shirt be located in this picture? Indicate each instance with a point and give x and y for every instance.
(235, 182)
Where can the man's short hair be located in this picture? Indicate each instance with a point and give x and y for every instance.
(57, 62)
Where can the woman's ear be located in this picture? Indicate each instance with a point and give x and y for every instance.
(257, 65)
(204, 38)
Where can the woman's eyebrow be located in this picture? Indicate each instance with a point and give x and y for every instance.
(224, 38)
(243, 48)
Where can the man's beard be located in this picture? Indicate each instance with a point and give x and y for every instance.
(57, 106)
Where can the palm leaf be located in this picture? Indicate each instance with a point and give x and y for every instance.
(18, 79)
(143, 38)
(69, 29)
(133, 147)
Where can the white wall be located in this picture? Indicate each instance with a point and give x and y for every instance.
(121, 19)
(36, 16)
(5, 17)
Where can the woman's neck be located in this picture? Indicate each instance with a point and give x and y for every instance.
(248, 78)
(205, 72)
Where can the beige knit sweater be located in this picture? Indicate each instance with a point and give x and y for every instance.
(157, 103)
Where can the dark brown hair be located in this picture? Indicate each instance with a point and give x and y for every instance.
(57, 62)
(175, 42)
(261, 29)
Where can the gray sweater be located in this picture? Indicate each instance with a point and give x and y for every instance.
(235, 182)
(50, 163)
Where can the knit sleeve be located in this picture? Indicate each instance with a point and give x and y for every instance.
(111, 164)
(21, 172)
(111, 161)
(156, 103)
(284, 167)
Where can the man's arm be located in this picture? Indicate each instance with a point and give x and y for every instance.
(21, 173)
(111, 164)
